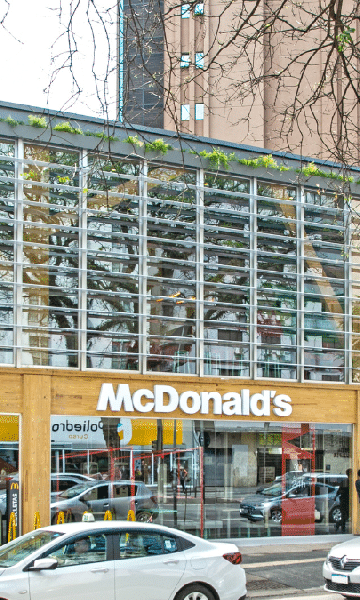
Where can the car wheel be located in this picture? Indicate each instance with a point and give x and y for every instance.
(335, 515)
(143, 516)
(276, 515)
(195, 592)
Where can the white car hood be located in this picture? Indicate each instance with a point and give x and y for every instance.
(351, 549)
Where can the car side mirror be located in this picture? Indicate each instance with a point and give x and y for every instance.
(44, 563)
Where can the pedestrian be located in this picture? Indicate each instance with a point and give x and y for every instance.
(357, 484)
(183, 475)
(343, 494)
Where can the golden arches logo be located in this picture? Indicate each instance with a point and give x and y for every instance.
(108, 516)
(14, 486)
(12, 527)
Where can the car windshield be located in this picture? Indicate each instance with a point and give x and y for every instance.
(272, 491)
(76, 490)
(22, 547)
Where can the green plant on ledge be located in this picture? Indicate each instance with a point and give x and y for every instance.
(311, 170)
(158, 146)
(217, 158)
(67, 128)
(12, 122)
(102, 135)
(37, 121)
(266, 161)
(134, 141)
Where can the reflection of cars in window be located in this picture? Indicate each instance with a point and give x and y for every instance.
(121, 559)
(268, 501)
(59, 482)
(100, 496)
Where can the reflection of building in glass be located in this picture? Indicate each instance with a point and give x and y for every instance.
(180, 271)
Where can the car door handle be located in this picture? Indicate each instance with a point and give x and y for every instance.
(100, 570)
(106, 504)
(171, 562)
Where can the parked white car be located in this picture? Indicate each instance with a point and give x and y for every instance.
(341, 569)
(119, 560)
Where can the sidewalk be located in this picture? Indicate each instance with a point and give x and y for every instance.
(286, 567)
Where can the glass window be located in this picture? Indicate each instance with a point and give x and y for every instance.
(199, 8)
(82, 550)
(20, 548)
(141, 544)
(278, 472)
(185, 61)
(199, 60)
(185, 112)
(185, 11)
(199, 112)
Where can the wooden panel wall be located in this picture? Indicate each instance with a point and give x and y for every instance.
(35, 450)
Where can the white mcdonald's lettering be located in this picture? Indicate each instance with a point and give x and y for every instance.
(165, 399)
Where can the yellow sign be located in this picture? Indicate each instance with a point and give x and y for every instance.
(60, 518)
(144, 431)
(14, 486)
(9, 428)
(12, 527)
(37, 520)
(108, 516)
(131, 516)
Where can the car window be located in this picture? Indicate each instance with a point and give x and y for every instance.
(99, 492)
(170, 544)
(141, 544)
(300, 491)
(22, 547)
(76, 490)
(120, 491)
(59, 485)
(272, 491)
(85, 549)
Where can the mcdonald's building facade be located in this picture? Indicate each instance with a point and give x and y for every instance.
(179, 336)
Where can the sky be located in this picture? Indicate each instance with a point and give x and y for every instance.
(35, 64)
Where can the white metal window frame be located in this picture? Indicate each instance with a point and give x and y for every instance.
(299, 203)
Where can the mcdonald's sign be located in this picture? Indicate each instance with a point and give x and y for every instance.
(13, 500)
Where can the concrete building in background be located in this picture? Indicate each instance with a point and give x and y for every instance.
(177, 90)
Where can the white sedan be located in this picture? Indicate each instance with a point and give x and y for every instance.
(341, 569)
(119, 560)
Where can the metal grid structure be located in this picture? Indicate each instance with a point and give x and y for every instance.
(113, 263)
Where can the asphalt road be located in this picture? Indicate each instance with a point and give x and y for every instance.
(285, 573)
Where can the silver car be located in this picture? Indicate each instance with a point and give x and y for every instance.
(98, 497)
(341, 570)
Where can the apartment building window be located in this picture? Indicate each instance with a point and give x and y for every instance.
(199, 9)
(199, 112)
(199, 60)
(185, 61)
(185, 11)
(185, 112)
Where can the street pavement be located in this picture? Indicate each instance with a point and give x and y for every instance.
(287, 568)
